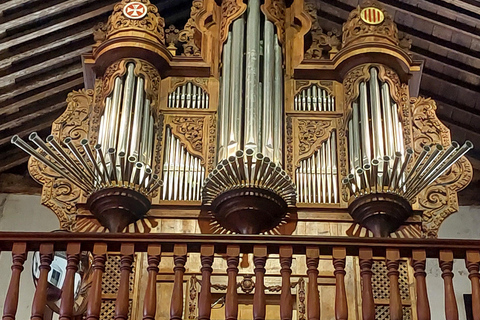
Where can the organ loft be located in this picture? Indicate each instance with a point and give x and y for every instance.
(237, 158)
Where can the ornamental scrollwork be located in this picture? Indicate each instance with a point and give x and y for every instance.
(311, 134)
(187, 35)
(289, 145)
(439, 200)
(231, 10)
(191, 133)
(355, 28)
(342, 152)
(58, 194)
(212, 133)
(274, 10)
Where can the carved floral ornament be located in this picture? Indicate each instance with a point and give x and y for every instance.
(123, 19)
(439, 200)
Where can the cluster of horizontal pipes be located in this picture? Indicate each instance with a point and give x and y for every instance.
(81, 168)
(374, 129)
(251, 106)
(183, 173)
(314, 98)
(126, 133)
(248, 170)
(380, 177)
(189, 96)
(316, 177)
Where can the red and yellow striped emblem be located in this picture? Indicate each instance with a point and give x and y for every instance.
(372, 15)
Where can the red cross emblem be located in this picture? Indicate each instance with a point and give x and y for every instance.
(135, 10)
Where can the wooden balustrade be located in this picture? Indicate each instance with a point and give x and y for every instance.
(228, 247)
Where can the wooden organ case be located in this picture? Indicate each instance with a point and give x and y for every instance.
(253, 119)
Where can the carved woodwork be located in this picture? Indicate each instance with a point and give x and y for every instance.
(274, 10)
(189, 35)
(230, 10)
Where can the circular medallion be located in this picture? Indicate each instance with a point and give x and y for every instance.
(135, 10)
(372, 15)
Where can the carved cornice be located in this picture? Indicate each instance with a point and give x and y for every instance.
(439, 200)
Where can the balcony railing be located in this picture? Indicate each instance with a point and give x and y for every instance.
(229, 247)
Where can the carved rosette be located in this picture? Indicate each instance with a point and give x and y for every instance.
(152, 23)
(274, 10)
(355, 30)
(439, 200)
(311, 134)
(191, 48)
(59, 194)
(231, 10)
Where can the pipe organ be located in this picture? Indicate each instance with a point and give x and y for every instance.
(264, 124)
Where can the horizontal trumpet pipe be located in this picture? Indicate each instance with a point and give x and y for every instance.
(393, 175)
(408, 157)
(98, 148)
(88, 151)
(73, 149)
(72, 164)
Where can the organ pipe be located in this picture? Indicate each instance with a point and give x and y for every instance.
(193, 97)
(314, 98)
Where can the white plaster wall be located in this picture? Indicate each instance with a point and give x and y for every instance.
(465, 224)
(22, 213)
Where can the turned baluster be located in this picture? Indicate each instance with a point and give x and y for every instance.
(95, 293)
(67, 303)
(365, 256)
(286, 303)
(341, 308)
(150, 302)
(179, 259)
(418, 263)
(205, 297)
(231, 298)
(40, 297)
(472, 260)
(127, 251)
(313, 297)
(446, 265)
(19, 254)
(259, 302)
(393, 262)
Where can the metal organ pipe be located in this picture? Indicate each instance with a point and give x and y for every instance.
(377, 132)
(364, 126)
(268, 88)
(278, 104)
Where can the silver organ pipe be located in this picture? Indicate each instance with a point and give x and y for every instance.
(182, 172)
(251, 108)
(126, 113)
(317, 176)
(364, 126)
(188, 96)
(314, 98)
(376, 114)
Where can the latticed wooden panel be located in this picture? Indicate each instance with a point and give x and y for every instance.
(107, 312)
(383, 313)
(381, 284)
(111, 277)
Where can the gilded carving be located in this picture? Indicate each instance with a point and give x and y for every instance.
(289, 146)
(439, 200)
(212, 134)
(152, 23)
(231, 10)
(274, 10)
(311, 134)
(354, 29)
(59, 194)
(190, 131)
(342, 153)
(176, 82)
(301, 85)
(191, 48)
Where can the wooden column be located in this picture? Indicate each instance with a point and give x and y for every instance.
(150, 300)
(179, 258)
(127, 251)
(313, 296)
(95, 293)
(365, 256)
(341, 307)
(67, 303)
(472, 260)
(19, 254)
(418, 263)
(286, 302)
(40, 297)
(392, 262)
(205, 298)
(446, 264)
(259, 302)
(231, 299)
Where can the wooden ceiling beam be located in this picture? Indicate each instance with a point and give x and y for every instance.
(24, 120)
